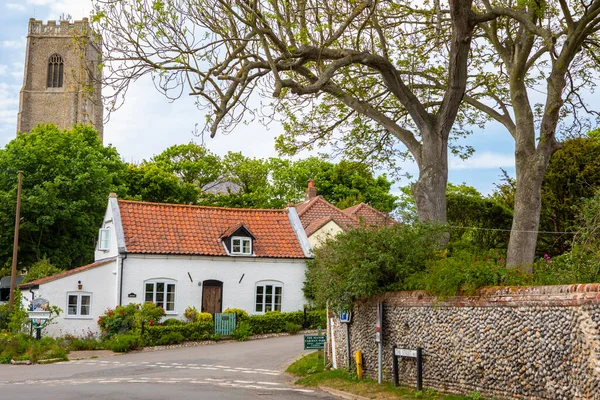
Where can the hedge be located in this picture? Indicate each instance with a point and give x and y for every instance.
(189, 331)
(274, 322)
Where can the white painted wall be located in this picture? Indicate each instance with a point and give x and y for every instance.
(109, 222)
(98, 281)
(139, 268)
(330, 229)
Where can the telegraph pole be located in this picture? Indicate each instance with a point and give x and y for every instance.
(13, 276)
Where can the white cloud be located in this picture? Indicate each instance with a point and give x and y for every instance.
(484, 160)
(16, 7)
(15, 44)
(3, 69)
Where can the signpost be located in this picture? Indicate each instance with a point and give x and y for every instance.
(39, 314)
(379, 341)
(314, 342)
(409, 353)
(345, 318)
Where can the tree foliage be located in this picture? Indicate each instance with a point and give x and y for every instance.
(356, 69)
(67, 177)
(363, 262)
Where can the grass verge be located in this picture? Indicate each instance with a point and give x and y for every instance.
(310, 371)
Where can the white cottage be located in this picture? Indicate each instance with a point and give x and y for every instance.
(178, 256)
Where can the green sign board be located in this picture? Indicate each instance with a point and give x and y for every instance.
(314, 342)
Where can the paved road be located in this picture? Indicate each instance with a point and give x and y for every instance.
(239, 370)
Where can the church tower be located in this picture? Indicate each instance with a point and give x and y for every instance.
(62, 82)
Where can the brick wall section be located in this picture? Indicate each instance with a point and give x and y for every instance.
(510, 342)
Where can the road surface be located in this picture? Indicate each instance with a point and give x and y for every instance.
(225, 371)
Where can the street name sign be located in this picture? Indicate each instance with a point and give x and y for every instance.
(405, 353)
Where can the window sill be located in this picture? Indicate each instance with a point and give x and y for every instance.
(78, 317)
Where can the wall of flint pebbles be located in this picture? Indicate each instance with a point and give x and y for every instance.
(516, 343)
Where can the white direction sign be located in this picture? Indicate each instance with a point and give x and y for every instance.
(405, 353)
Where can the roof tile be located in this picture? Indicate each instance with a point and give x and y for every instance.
(196, 230)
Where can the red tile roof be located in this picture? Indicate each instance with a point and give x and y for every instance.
(317, 209)
(369, 215)
(316, 212)
(66, 273)
(196, 230)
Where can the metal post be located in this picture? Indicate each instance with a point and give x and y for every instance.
(38, 333)
(348, 344)
(304, 326)
(380, 343)
(395, 366)
(13, 275)
(419, 369)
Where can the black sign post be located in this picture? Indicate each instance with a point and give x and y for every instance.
(409, 353)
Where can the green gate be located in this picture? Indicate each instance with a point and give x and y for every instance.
(224, 324)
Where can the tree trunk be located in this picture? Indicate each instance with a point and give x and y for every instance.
(430, 189)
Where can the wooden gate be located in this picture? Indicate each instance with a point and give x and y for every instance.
(224, 324)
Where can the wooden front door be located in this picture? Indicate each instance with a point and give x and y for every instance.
(211, 296)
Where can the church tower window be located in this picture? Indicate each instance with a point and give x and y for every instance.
(55, 71)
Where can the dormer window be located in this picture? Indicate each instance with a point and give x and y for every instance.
(238, 240)
(104, 239)
(241, 245)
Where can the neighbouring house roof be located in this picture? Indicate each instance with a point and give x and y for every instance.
(369, 215)
(155, 228)
(66, 273)
(317, 210)
(5, 281)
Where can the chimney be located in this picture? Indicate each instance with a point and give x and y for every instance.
(311, 190)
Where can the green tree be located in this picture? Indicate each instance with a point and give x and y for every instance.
(67, 177)
(355, 69)
(150, 182)
(478, 222)
(573, 175)
(40, 269)
(191, 163)
(364, 262)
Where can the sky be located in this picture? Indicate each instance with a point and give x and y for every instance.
(148, 123)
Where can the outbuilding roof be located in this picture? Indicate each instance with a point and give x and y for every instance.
(66, 273)
(157, 228)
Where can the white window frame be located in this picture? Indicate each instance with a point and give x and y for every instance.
(106, 242)
(79, 305)
(166, 282)
(260, 289)
(243, 240)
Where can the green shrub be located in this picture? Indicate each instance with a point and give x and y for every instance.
(292, 328)
(240, 315)
(129, 318)
(242, 331)
(169, 338)
(204, 317)
(190, 313)
(275, 322)
(464, 275)
(125, 342)
(24, 347)
(189, 331)
(172, 321)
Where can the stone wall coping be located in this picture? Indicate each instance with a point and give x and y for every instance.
(559, 295)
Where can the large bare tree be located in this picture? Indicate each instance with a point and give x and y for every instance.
(355, 69)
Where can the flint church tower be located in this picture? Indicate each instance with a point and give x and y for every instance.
(62, 83)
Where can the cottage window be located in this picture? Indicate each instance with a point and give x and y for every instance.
(268, 296)
(241, 245)
(79, 304)
(55, 71)
(161, 293)
(104, 239)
